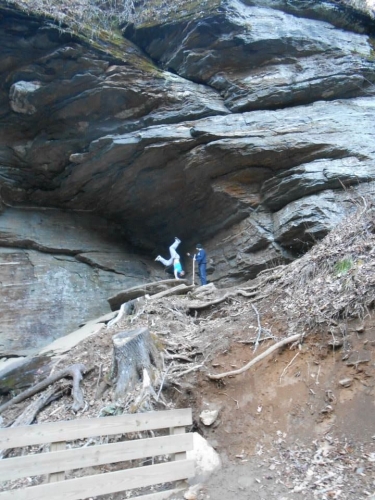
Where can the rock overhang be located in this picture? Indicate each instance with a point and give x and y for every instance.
(141, 146)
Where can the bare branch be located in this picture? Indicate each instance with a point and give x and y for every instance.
(266, 353)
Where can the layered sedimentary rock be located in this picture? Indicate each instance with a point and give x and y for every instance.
(56, 271)
(243, 125)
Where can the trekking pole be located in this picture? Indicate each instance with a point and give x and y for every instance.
(193, 270)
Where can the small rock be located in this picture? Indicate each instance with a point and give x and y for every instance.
(192, 492)
(335, 343)
(346, 382)
(327, 409)
(208, 417)
(358, 357)
(205, 457)
(214, 443)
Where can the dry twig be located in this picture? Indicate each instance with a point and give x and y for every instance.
(266, 353)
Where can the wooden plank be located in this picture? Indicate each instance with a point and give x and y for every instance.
(179, 431)
(15, 437)
(101, 484)
(77, 458)
(59, 475)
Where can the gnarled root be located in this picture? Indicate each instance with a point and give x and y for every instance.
(73, 371)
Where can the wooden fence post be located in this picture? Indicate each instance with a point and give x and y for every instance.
(57, 476)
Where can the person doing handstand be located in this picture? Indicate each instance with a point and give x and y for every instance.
(174, 259)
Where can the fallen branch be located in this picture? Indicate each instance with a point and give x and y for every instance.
(73, 371)
(256, 340)
(177, 356)
(185, 372)
(264, 354)
(162, 382)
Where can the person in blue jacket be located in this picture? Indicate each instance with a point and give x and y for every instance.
(201, 259)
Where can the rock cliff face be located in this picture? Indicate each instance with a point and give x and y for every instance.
(238, 124)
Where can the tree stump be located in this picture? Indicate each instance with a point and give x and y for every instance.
(134, 352)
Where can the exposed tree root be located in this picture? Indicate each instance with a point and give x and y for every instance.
(264, 354)
(73, 371)
(204, 305)
(126, 309)
(102, 389)
(28, 415)
(177, 290)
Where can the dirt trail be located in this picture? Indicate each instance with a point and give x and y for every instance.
(298, 425)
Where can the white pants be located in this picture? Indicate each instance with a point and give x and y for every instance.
(174, 254)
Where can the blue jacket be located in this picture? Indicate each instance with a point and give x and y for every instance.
(201, 257)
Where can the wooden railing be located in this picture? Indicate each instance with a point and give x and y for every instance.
(58, 459)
